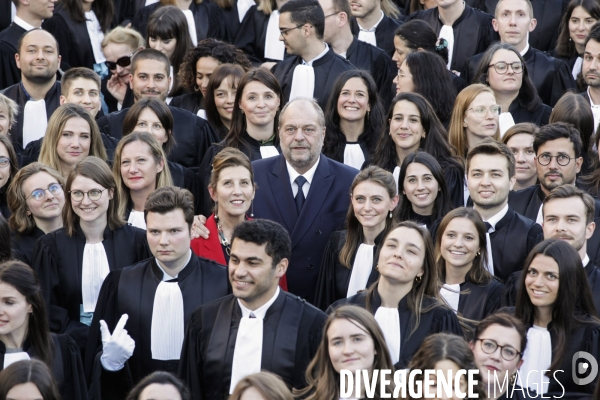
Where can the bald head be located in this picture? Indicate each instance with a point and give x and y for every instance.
(37, 57)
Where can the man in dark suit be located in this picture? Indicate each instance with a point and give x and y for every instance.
(150, 78)
(590, 70)
(259, 327)
(313, 213)
(491, 176)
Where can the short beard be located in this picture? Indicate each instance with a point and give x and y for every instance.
(40, 79)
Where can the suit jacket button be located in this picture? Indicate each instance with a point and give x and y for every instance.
(319, 232)
(310, 266)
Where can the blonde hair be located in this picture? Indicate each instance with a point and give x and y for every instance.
(12, 109)
(457, 134)
(163, 178)
(266, 6)
(127, 36)
(390, 9)
(56, 125)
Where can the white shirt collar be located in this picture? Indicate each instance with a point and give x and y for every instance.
(526, 49)
(585, 260)
(308, 174)
(166, 276)
(374, 26)
(590, 97)
(261, 311)
(496, 218)
(321, 55)
(23, 24)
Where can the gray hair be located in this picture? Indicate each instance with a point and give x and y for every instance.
(311, 101)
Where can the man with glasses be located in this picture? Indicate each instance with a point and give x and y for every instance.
(558, 159)
(514, 21)
(314, 67)
(360, 54)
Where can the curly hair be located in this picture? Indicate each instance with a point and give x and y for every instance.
(262, 231)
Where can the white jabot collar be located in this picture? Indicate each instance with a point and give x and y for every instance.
(261, 311)
(585, 260)
(166, 276)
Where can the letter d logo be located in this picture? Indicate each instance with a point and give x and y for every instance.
(582, 367)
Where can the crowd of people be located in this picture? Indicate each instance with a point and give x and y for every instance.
(241, 199)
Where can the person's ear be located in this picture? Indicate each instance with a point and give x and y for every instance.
(62, 99)
(513, 180)
(495, 25)
(213, 193)
(111, 193)
(589, 229)
(532, 24)
(18, 60)
(281, 268)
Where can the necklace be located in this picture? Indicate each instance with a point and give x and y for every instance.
(224, 242)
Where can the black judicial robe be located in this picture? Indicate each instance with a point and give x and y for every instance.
(231, 18)
(67, 369)
(291, 335)
(193, 135)
(439, 319)
(473, 32)
(58, 260)
(18, 95)
(327, 69)
(186, 178)
(73, 39)
(540, 117)
(251, 148)
(209, 19)
(334, 278)
(427, 220)
(384, 32)
(9, 39)
(548, 14)
(476, 302)
(515, 236)
(550, 76)
(131, 291)
(252, 34)
(4, 210)
(362, 142)
(23, 244)
(5, 15)
(528, 201)
(191, 102)
(375, 60)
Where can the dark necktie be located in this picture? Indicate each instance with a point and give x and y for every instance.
(488, 226)
(252, 315)
(300, 199)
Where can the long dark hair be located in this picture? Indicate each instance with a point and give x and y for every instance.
(528, 97)
(435, 142)
(574, 304)
(442, 204)
(565, 47)
(354, 236)
(234, 137)
(21, 277)
(573, 109)
(233, 74)
(104, 10)
(29, 371)
(418, 34)
(163, 113)
(335, 141)
(160, 378)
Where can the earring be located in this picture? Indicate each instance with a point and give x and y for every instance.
(252, 209)
(418, 279)
(196, 88)
(478, 253)
(390, 214)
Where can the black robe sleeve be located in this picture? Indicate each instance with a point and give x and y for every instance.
(204, 173)
(190, 364)
(455, 181)
(74, 386)
(9, 73)
(251, 35)
(325, 294)
(509, 296)
(562, 83)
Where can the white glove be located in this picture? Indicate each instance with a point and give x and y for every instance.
(116, 348)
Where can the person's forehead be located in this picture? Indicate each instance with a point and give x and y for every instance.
(561, 145)
(150, 67)
(243, 249)
(82, 83)
(565, 206)
(513, 5)
(301, 113)
(39, 38)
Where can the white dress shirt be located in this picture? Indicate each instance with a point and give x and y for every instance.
(308, 175)
(493, 221)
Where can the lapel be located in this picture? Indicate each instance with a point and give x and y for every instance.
(281, 190)
(319, 188)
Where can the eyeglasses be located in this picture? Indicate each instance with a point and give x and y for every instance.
(562, 159)
(4, 162)
(331, 15)
(285, 31)
(501, 67)
(481, 111)
(490, 346)
(93, 194)
(122, 62)
(39, 194)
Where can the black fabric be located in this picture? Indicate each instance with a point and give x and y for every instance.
(327, 70)
(291, 335)
(4, 210)
(193, 135)
(191, 102)
(18, 95)
(473, 32)
(338, 155)
(478, 301)
(514, 237)
(540, 117)
(550, 76)
(381, 66)
(22, 245)
(231, 19)
(384, 33)
(300, 198)
(439, 319)
(5, 15)
(9, 39)
(58, 258)
(334, 278)
(252, 34)
(111, 102)
(131, 291)
(186, 178)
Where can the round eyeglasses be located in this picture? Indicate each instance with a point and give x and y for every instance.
(481, 111)
(490, 346)
(39, 194)
(562, 159)
(4, 162)
(501, 67)
(93, 194)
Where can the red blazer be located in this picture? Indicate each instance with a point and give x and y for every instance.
(211, 248)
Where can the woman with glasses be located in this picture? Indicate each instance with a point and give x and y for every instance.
(504, 70)
(36, 199)
(554, 301)
(412, 124)
(71, 136)
(461, 253)
(73, 261)
(519, 140)
(474, 117)
(498, 344)
(405, 298)
(8, 168)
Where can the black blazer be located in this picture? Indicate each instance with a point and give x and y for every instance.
(384, 33)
